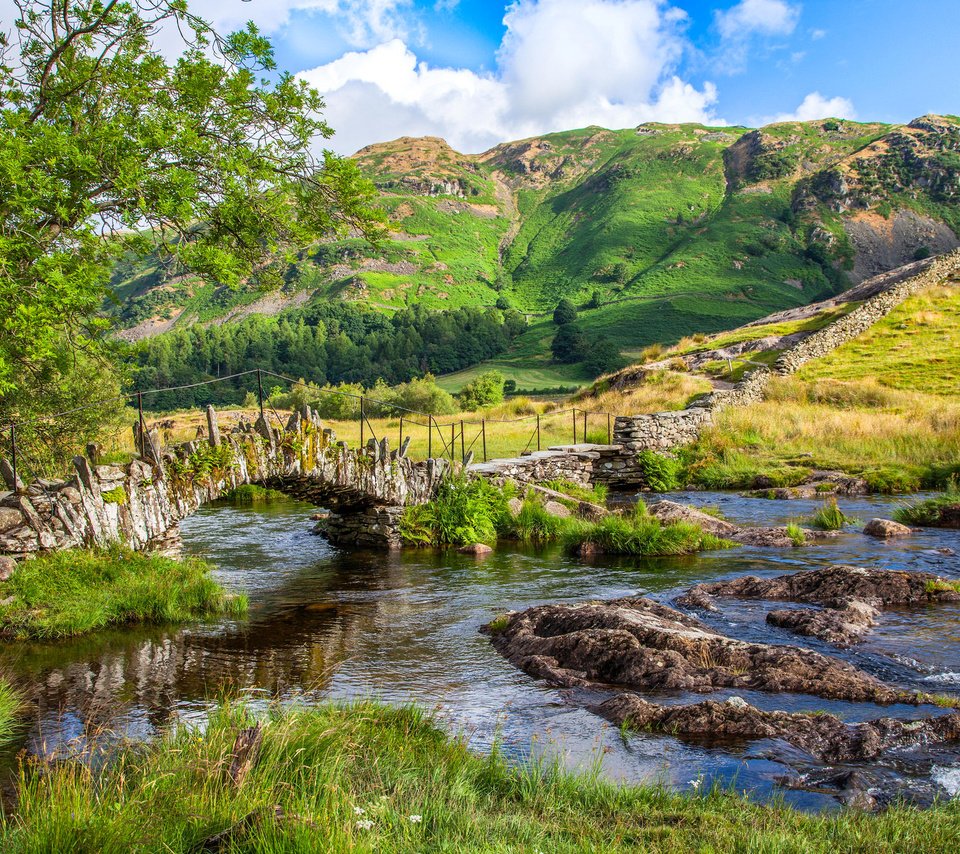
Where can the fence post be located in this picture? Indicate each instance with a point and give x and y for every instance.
(361, 422)
(430, 437)
(584, 425)
(453, 442)
(538, 431)
(483, 430)
(609, 431)
(401, 431)
(463, 449)
(574, 425)
(143, 429)
(260, 391)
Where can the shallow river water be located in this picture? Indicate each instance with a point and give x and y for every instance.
(403, 627)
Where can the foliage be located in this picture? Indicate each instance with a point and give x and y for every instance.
(533, 524)
(484, 390)
(76, 591)
(596, 494)
(604, 357)
(465, 510)
(660, 472)
(569, 344)
(565, 312)
(251, 494)
(639, 534)
(829, 517)
(107, 149)
(410, 788)
(324, 344)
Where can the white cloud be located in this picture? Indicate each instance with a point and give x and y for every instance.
(817, 34)
(562, 64)
(764, 17)
(815, 106)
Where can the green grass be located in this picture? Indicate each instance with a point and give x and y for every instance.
(932, 512)
(533, 524)
(596, 494)
(640, 535)
(829, 517)
(366, 777)
(796, 534)
(10, 702)
(465, 510)
(72, 592)
(250, 494)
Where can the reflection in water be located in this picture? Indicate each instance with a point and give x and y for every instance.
(404, 627)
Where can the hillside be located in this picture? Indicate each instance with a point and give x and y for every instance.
(657, 231)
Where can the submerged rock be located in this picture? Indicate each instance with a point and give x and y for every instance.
(884, 529)
(851, 597)
(824, 736)
(640, 644)
(477, 549)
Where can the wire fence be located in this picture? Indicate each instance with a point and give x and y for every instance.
(446, 436)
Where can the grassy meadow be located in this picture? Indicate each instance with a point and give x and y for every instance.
(367, 777)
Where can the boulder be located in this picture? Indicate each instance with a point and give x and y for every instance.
(7, 567)
(555, 508)
(477, 549)
(645, 646)
(884, 529)
(514, 505)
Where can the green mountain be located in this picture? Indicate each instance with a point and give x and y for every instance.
(657, 231)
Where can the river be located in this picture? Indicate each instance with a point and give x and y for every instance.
(325, 623)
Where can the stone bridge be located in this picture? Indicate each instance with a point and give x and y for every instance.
(143, 502)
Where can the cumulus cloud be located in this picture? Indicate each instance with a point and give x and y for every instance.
(816, 106)
(766, 17)
(562, 64)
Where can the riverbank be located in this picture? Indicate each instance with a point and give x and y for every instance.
(371, 777)
(72, 592)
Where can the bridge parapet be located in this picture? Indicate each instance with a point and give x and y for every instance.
(142, 503)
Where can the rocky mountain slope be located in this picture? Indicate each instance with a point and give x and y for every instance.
(658, 231)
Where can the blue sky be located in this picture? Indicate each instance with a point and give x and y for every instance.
(479, 72)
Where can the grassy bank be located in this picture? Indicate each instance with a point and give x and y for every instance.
(898, 441)
(76, 591)
(941, 511)
(371, 778)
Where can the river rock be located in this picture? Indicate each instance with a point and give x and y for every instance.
(851, 597)
(7, 567)
(885, 529)
(477, 549)
(555, 508)
(824, 736)
(642, 645)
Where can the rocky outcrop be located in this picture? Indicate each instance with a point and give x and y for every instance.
(641, 645)
(850, 597)
(823, 736)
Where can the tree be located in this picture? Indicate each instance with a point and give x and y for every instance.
(484, 390)
(503, 303)
(565, 312)
(107, 148)
(603, 357)
(569, 344)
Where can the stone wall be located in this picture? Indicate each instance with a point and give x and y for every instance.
(142, 503)
(663, 431)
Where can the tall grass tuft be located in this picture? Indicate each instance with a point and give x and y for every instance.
(533, 524)
(938, 512)
(639, 534)
(76, 591)
(10, 702)
(829, 517)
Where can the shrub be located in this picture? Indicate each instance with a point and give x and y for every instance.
(484, 390)
(659, 472)
(569, 345)
(422, 395)
(604, 357)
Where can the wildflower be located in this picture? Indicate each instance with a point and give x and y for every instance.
(416, 819)
(696, 783)
(359, 810)
(364, 824)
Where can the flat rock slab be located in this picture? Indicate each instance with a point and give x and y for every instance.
(639, 644)
(824, 736)
(851, 597)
